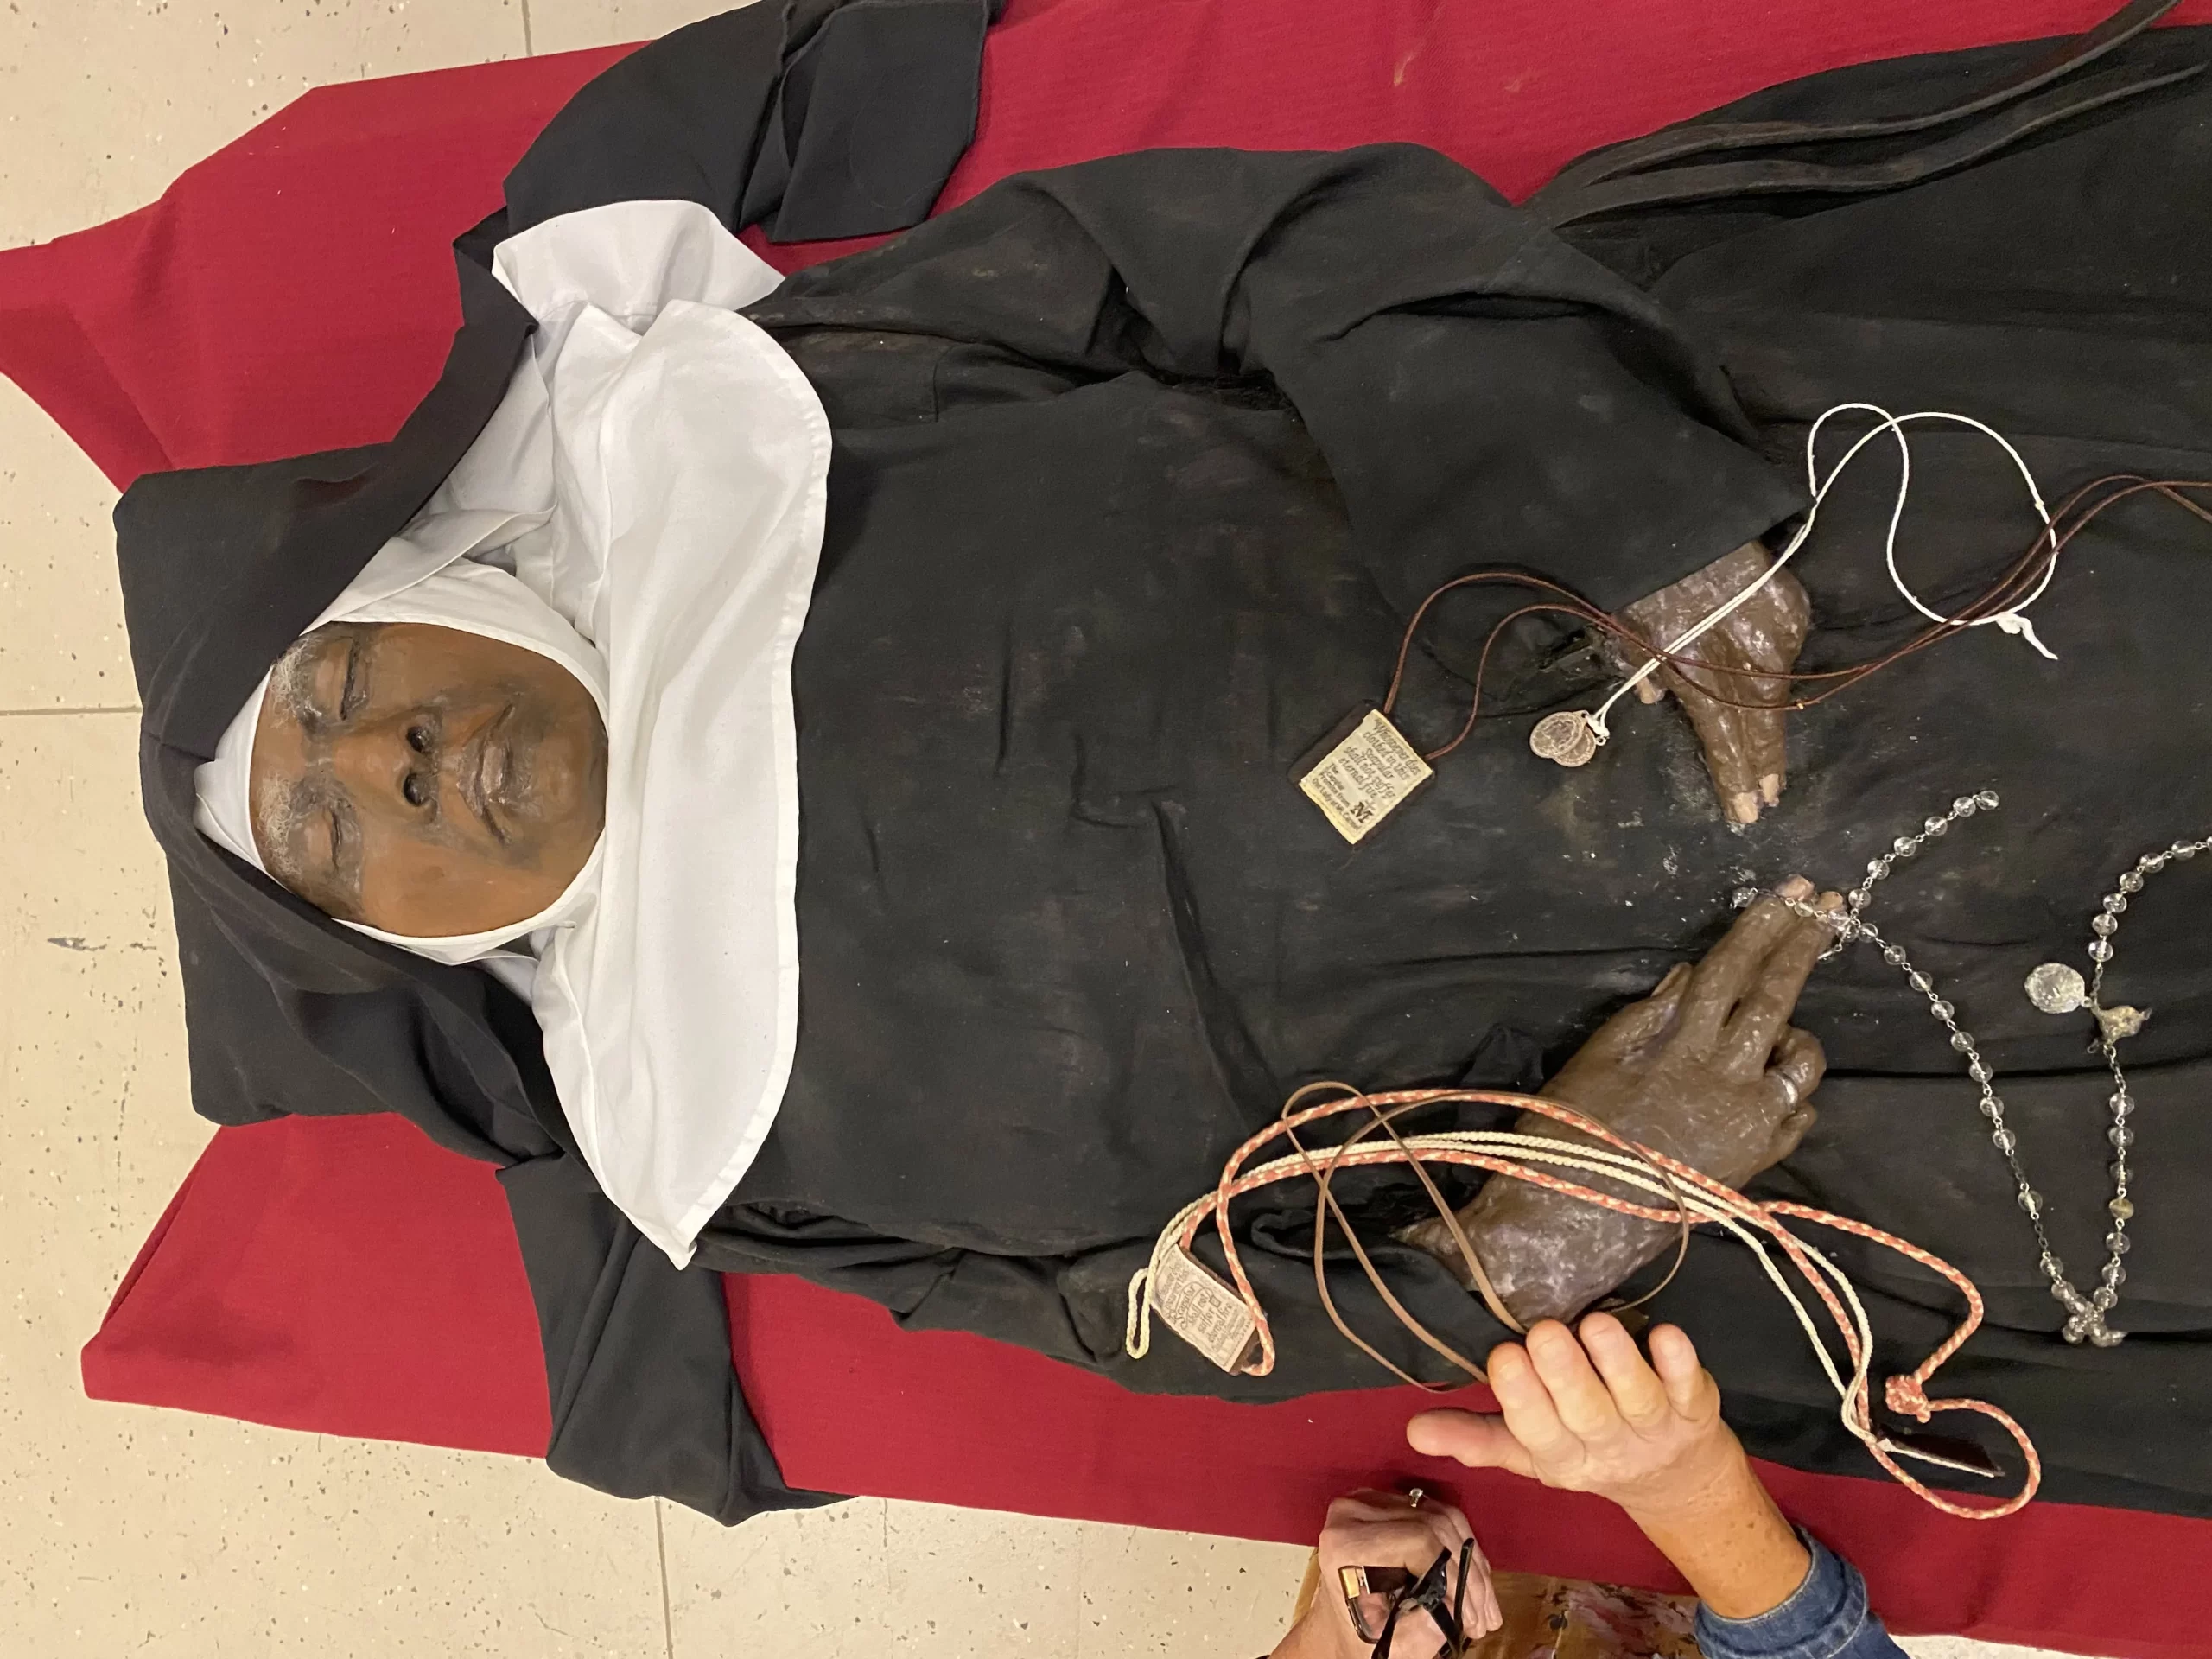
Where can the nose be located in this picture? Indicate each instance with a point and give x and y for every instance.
(389, 765)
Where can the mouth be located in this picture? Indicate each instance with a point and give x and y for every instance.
(488, 768)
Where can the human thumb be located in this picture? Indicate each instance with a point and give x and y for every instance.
(1473, 1438)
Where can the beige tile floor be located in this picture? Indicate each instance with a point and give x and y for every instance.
(124, 1531)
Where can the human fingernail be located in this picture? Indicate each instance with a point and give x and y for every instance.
(1828, 901)
(1744, 807)
(1771, 788)
(1795, 888)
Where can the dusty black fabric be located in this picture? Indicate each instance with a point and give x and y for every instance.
(815, 118)
(1069, 934)
(1140, 467)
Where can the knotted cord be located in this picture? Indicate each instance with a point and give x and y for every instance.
(1697, 1199)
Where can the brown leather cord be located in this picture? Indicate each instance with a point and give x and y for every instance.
(2009, 589)
(1783, 176)
(1324, 1184)
(1328, 1206)
(2012, 588)
(1648, 172)
(1677, 144)
(1465, 1246)
(1576, 606)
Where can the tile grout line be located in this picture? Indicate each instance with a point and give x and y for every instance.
(92, 708)
(667, 1619)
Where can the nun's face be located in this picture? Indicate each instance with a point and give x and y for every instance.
(424, 780)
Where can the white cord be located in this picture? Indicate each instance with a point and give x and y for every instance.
(2011, 620)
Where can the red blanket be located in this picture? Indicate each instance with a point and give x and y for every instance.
(293, 292)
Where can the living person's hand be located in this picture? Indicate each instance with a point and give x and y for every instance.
(1742, 659)
(1592, 1416)
(1375, 1529)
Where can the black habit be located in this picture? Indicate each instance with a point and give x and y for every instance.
(1140, 468)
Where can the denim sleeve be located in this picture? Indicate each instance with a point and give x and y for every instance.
(1827, 1617)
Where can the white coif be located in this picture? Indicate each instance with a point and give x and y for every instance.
(656, 476)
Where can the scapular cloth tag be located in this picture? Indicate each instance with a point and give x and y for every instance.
(1202, 1310)
(1366, 771)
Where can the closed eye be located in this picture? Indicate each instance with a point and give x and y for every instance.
(354, 691)
(344, 854)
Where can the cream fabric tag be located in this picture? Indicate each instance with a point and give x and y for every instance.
(1204, 1310)
(1366, 777)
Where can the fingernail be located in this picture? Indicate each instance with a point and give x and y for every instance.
(1771, 788)
(1744, 807)
(1795, 888)
(1828, 901)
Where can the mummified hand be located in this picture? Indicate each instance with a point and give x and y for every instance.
(1707, 1069)
(1743, 659)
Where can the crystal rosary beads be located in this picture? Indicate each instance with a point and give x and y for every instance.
(2055, 989)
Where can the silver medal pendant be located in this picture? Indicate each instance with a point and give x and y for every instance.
(1566, 737)
(2057, 988)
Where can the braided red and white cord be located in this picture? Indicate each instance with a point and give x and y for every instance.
(1515, 1155)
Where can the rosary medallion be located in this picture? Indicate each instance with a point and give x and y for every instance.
(2057, 988)
(1566, 737)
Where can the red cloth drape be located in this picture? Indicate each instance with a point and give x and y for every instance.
(293, 292)
(346, 1276)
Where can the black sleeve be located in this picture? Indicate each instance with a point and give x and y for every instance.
(1483, 393)
(1075, 1308)
(645, 1402)
(822, 118)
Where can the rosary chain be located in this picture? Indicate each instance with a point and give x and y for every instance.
(2085, 1319)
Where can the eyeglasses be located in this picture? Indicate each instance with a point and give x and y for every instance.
(1378, 1596)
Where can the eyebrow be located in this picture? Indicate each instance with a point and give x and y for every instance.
(296, 681)
(333, 884)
